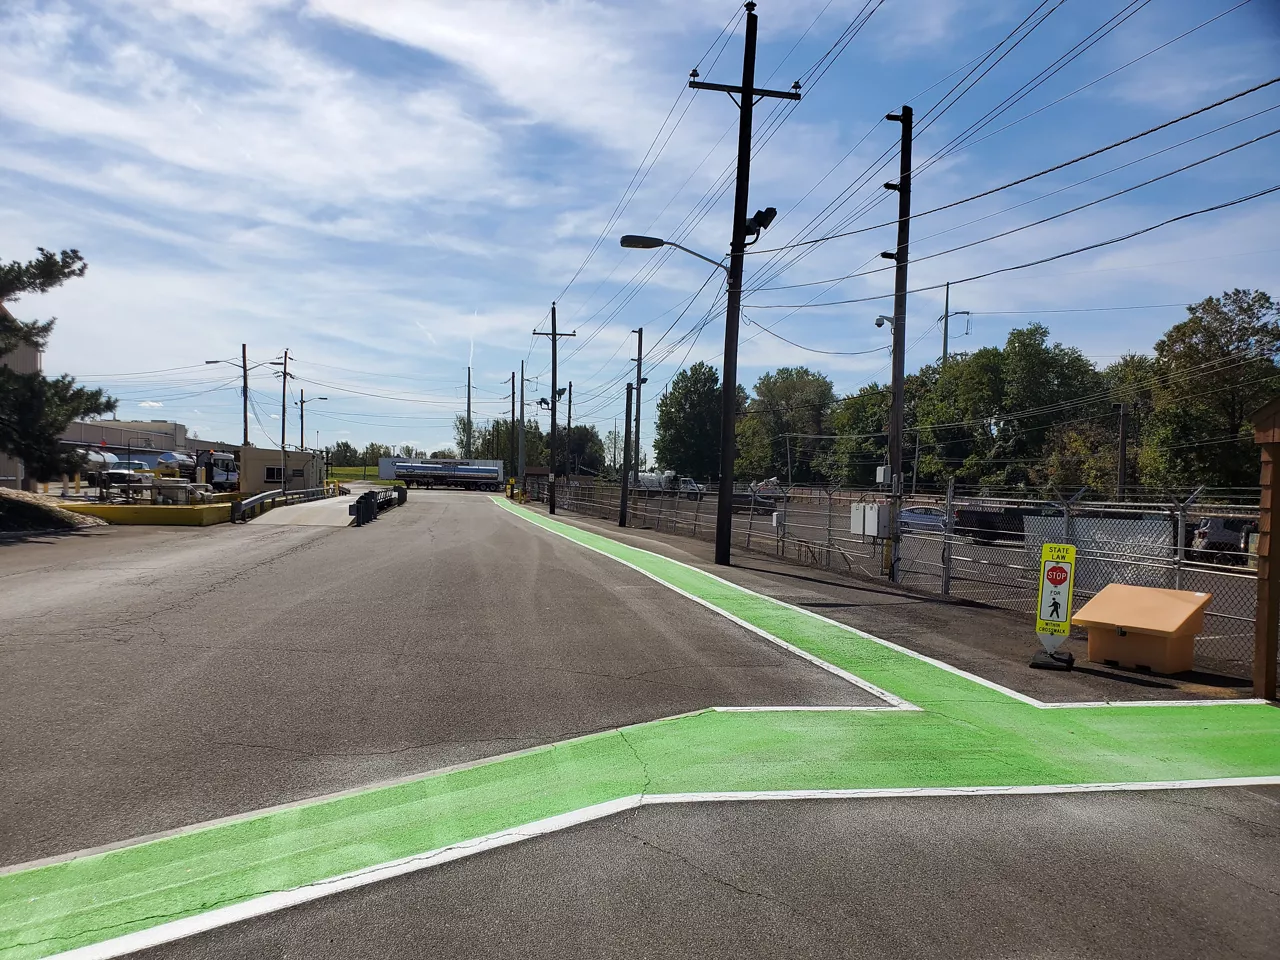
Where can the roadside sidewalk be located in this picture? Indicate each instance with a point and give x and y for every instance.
(992, 643)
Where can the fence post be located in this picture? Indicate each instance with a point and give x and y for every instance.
(948, 531)
(827, 560)
(1182, 546)
(697, 510)
(751, 515)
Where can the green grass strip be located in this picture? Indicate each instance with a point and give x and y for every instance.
(966, 735)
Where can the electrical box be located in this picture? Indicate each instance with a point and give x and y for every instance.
(780, 518)
(869, 519)
(883, 476)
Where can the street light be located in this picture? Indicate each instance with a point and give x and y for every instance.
(635, 242)
(302, 416)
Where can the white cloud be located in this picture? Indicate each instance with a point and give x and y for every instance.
(152, 404)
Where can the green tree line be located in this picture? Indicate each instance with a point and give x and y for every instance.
(1030, 415)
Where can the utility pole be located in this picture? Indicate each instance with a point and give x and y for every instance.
(511, 439)
(613, 460)
(568, 435)
(520, 454)
(946, 318)
(467, 445)
(302, 419)
(244, 388)
(747, 94)
(639, 380)
(900, 257)
(915, 464)
(946, 322)
(555, 339)
(626, 462)
(284, 421)
(1122, 468)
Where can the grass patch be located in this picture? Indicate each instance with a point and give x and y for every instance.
(353, 473)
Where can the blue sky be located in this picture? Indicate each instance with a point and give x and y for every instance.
(394, 189)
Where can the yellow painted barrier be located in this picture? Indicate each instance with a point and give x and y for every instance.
(148, 514)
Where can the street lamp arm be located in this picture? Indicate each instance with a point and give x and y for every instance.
(695, 253)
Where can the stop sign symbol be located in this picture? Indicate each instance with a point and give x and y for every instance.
(1056, 575)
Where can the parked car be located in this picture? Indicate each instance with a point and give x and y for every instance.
(924, 519)
(1222, 540)
(128, 473)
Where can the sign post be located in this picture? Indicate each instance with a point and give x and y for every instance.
(1053, 605)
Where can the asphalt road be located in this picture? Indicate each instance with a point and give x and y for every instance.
(158, 678)
(1140, 876)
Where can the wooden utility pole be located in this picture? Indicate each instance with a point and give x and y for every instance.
(639, 381)
(900, 257)
(467, 446)
(1122, 466)
(511, 440)
(746, 97)
(568, 435)
(551, 458)
(244, 388)
(284, 422)
(626, 462)
(520, 439)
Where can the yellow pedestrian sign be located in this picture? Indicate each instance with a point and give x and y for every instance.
(1057, 579)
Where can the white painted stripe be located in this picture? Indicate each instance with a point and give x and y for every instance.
(857, 681)
(1016, 790)
(802, 709)
(983, 681)
(281, 900)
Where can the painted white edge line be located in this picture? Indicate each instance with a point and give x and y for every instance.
(271, 902)
(871, 688)
(281, 900)
(874, 709)
(982, 681)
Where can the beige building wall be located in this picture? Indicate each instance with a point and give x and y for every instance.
(260, 470)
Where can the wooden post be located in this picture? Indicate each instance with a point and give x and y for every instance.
(1267, 434)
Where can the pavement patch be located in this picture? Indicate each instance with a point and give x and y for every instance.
(963, 735)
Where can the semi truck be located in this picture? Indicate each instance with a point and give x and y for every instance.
(464, 474)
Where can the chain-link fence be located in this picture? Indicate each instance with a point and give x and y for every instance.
(984, 549)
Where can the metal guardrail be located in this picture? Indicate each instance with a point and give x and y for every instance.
(245, 510)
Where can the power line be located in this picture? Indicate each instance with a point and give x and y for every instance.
(1035, 263)
(1035, 223)
(1053, 169)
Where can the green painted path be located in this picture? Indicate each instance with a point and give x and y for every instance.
(964, 734)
